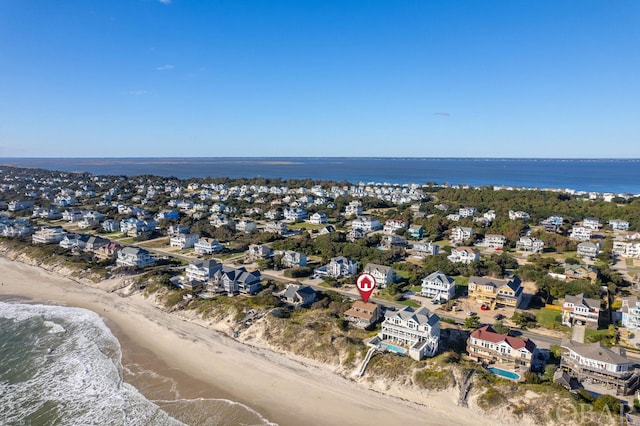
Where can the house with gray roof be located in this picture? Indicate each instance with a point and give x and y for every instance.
(134, 257)
(594, 363)
(384, 275)
(299, 295)
(438, 286)
(581, 310)
(417, 331)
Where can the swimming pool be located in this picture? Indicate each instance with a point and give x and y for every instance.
(504, 373)
(394, 348)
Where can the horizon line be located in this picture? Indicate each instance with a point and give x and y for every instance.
(324, 156)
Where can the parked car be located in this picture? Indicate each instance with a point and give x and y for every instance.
(498, 317)
(471, 313)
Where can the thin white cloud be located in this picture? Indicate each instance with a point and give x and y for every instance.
(442, 114)
(166, 67)
(165, 1)
(137, 93)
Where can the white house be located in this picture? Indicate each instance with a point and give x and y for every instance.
(630, 313)
(384, 275)
(276, 227)
(366, 223)
(184, 241)
(134, 257)
(318, 218)
(530, 244)
(291, 259)
(246, 226)
(202, 270)
(428, 248)
(588, 250)
(207, 246)
(629, 249)
(338, 267)
(580, 233)
(392, 225)
(293, 214)
(591, 223)
(466, 211)
(353, 209)
(461, 233)
(48, 235)
(495, 241)
(515, 215)
(71, 241)
(416, 330)
(464, 255)
(487, 346)
(580, 310)
(438, 286)
(620, 225)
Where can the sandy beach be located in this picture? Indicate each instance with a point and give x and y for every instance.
(207, 364)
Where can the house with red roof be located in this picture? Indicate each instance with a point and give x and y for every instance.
(487, 346)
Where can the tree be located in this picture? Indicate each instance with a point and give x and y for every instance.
(607, 402)
(472, 322)
(523, 319)
(500, 328)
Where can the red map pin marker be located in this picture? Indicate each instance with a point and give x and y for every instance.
(366, 283)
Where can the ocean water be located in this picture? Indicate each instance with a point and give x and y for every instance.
(62, 366)
(601, 175)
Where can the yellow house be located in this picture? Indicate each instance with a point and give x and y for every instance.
(493, 292)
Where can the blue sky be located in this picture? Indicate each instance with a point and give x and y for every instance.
(320, 78)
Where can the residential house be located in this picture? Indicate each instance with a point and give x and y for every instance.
(273, 214)
(580, 233)
(238, 280)
(134, 257)
(454, 217)
(362, 314)
(74, 241)
(246, 226)
(466, 211)
(48, 235)
(387, 242)
(202, 270)
(438, 286)
(184, 241)
(207, 246)
(330, 229)
(299, 295)
(109, 251)
(111, 225)
(291, 259)
(167, 215)
(318, 218)
(366, 223)
(494, 241)
(355, 234)
(580, 272)
(95, 242)
(460, 234)
(426, 248)
(354, 208)
(591, 223)
(620, 225)
(418, 330)
(18, 205)
(338, 267)
(259, 251)
(581, 310)
(384, 275)
(72, 215)
(416, 231)
(588, 250)
(597, 364)
(630, 249)
(293, 214)
(494, 292)
(488, 347)
(464, 255)
(176, 229)
(552, 223)
(515, 215)
(630, 313)
(530, 245)
(392, 225)
(277, 227)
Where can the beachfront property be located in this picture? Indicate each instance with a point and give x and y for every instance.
(438, 286)
(460, 234)
(581, 310)
(206, 245)
(417, 331)
(363, 315)
(384, 275)
(629, 249)
(338, 267)
(291, 259)
(588, 250)
(426, 248)
(530, 245)
(259, 251)
(597, 364)
(236, 280)
(516, 215)
(464, 255)
(14, 229)
(494, 241)
(48, 235)
(630, 313)
(108, 252)
(591, 223)
(490, 348)
(202, 270)
(366, 223)
(184, 241)
(74, 241)
(619, 225)
(580, 233)
(132, 256)
(580, 272)
(298, 295)
(493, 292)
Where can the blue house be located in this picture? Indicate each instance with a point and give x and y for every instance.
(416, 231)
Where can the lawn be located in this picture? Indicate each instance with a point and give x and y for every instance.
(629, 263)
(305, 225)
(551, 319)
(411, 303)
